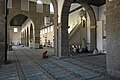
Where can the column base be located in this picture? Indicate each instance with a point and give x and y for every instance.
(114, 73)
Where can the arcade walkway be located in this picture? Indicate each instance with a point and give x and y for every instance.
(27, 64)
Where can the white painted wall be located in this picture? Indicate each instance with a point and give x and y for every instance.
(101, 43)
(60, 6)
(102, 9)
(15, 36)
(74, 18)
(74, 5)
(101, 19)
(26, 24)
(49, 34)
(96, 11)
(99, 36)
(88, 31)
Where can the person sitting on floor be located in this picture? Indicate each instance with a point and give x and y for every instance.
(95, 51)
(10, 46)
(44, 56)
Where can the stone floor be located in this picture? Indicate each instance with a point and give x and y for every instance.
(27, 64)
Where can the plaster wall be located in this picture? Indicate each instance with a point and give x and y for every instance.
(15, 36)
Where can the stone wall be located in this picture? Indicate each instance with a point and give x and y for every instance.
(113, 37)
(2, 31)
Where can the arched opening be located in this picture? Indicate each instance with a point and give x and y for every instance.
(15, 28)
(93, 60)
(47, 38)
(81, 9)
(79, 28)
(21, 23)
(31, 36)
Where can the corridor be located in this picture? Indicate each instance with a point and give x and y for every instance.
(27, 64)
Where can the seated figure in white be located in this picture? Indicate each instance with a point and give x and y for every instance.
(95, 51)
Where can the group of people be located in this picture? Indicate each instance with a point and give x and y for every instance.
(9, 47)
(76, 49)
(96, 51)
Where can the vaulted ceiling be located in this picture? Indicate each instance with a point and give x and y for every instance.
(18, 20)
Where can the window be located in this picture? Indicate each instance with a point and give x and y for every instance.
(15, 29)
(48, 29)
(45, 30)
(51, 8)
(51, 28)
(39, 2)
(41, 32)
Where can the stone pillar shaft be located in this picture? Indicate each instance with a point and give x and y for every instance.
(56, 41)
(2, 31)
(92, 39)
(113, 37)
(37, 38)
(63, 42)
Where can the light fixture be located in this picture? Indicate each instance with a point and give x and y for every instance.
(39, 2)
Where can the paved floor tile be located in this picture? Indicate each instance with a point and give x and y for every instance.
(27, 64)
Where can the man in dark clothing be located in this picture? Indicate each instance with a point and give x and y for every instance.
(44, 56)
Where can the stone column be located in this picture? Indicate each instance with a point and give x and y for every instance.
(56, 40)
(2, 31)
(92, 38)
(37, 38)
(113, 36)
(36, 33)
(24, 38)
(21, 37)
(8, 35)
(37, 21)
(63, 42)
